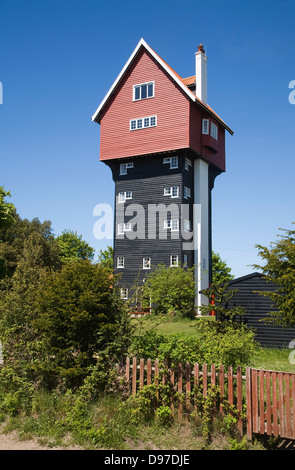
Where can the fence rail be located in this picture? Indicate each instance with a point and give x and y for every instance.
(264, 400)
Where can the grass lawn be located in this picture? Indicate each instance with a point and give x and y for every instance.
(265, 358)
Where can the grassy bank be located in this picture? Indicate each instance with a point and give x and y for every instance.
(265, 358)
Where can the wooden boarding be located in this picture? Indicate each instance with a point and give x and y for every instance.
(269, 396)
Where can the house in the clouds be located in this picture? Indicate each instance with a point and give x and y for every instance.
(165, 146)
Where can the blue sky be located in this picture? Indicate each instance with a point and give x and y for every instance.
(58, 58)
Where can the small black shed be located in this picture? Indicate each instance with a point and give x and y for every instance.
(257, 306)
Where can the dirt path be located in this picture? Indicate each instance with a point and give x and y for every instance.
(11, 441)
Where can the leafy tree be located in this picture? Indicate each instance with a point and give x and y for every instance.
(72, 247)
(220, 301)
(14, 237)
(171, 289)
(7, 210)
(18, 305)
(105, 257)
(279, 269)
(80, 317)
(220, 270)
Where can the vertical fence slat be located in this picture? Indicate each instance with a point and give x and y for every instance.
(281, 405)
(188, 389)
(249, 402)
(149, 372)
(205, 380)
(221, 386)
(134, 370)
(141, 373)
(275, 428)
(196, 381)
(127, 369)
(268, 402)
(179, 389)
(172, 379)
(288, 404)
(156, 378)
(261, 402)
(239, 399)
(230, 385)
(254, 387)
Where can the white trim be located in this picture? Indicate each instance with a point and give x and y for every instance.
(205, 126)
(123, 259)
(125, 297)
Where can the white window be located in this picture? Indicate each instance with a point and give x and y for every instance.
(205, 126)
(122, 228)
(185, 260)
(172, 224)
(214, 131)
(172, 191)
(174, 260)
(120, 261)
(146, 263)
(123, 196)
(143, 91)
(186, 225)
(124, 167)
(173, 161)
(187, 164)
(124, 293)
(143, 123)
(186, 192)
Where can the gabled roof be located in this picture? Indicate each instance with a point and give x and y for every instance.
(183, 83)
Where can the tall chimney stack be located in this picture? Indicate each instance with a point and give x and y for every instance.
(201, 74)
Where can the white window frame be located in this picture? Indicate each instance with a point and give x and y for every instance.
(172, 224)
(146, 262)
(139, 85)
(143, 123)
(124, 195)
(214, 131)
(124, 293)
(205, 126)
(174, 264)
(187, 164)
(171, 161)
(186, 192)
(120, 262)
(124, 167)
(122, 228)
(169, 191)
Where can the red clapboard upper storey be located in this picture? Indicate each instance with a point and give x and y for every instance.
(151, 109)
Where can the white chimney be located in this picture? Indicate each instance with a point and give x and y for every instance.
(201, 74)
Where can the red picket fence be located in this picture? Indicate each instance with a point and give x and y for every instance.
(270, 403)
(264, 400)
(185, 379)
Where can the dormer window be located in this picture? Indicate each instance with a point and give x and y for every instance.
(143, 91)
(209, 127)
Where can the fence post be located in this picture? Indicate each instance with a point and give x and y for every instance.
(249, 403)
